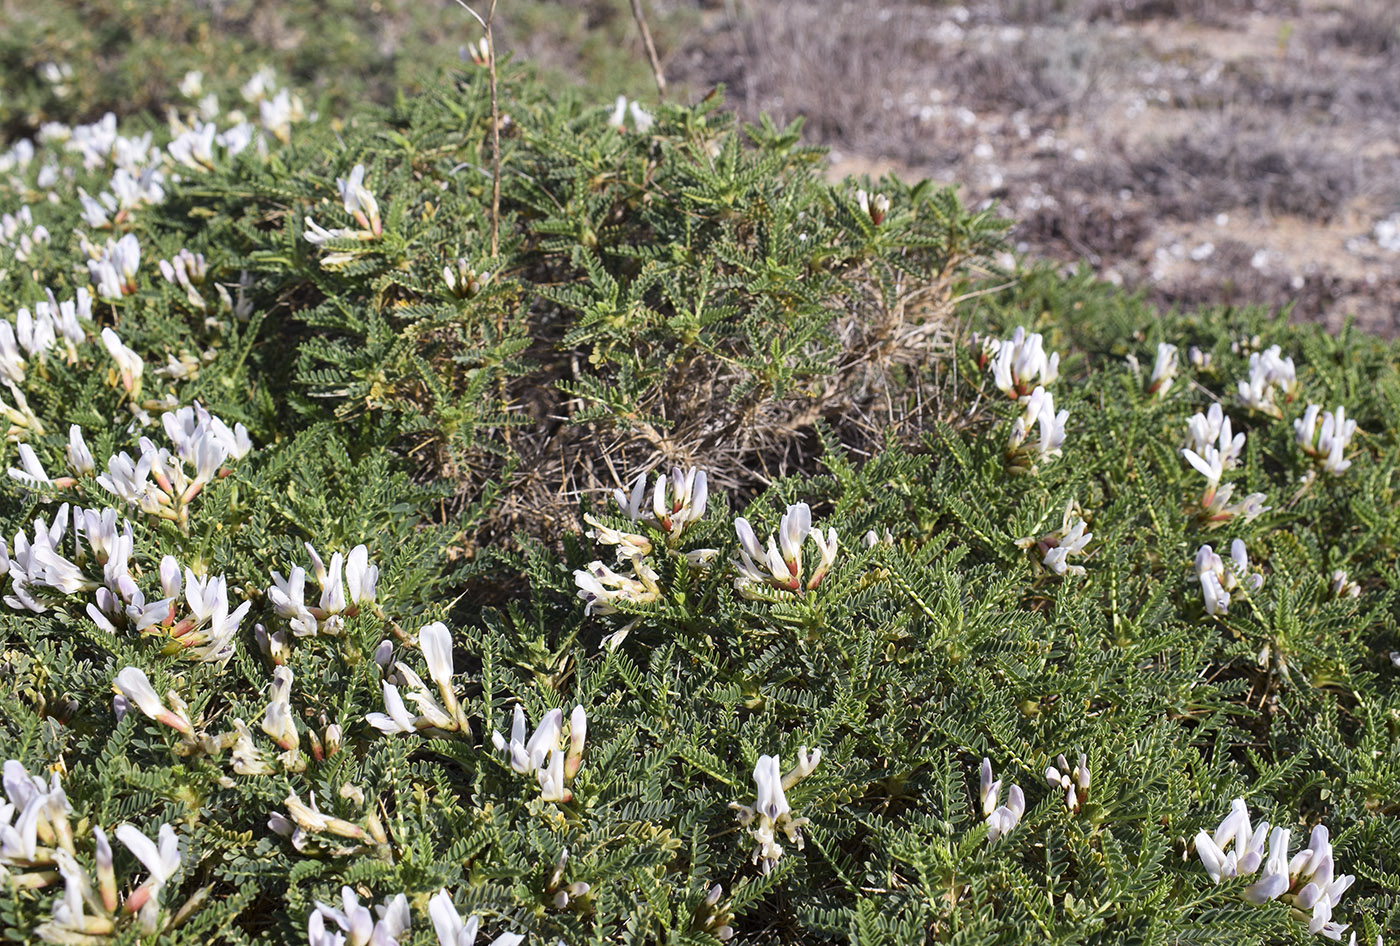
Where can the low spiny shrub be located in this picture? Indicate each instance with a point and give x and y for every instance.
(292, 568)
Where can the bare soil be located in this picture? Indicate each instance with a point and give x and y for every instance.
(1205, 151)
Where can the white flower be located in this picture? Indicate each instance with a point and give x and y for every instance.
(360, 576)
(132, 683)
(551, 779)
(578, 734)
(358, 923)
(1073, 782)
(1219, 509)
(32, 473)
(80, 460)
(689, 494)
(278, 721)
(1001, 819)
(629, 544)
(317, 234)
(1209, 570)
(1268, 371)
(1039, 410)
(1021, 364)
(1163, 370)
(771, 812)
(1217, 580)
(603, 589)
(542, 754)
(1328, 443)
(277, 114)
(641, 119)
(129, 364)
(452, 931)
(463, 281)
(1056, 547)
(436, 643)
(359, 202)
(161, 861)
(1306, 882)
(873, 207)
(1343, 587)
(194, 147)
(11, 360)
(779, 566)
(397, 718)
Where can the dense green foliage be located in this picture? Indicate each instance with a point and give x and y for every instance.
(685, 292)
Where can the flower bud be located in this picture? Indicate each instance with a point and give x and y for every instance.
(578, 731)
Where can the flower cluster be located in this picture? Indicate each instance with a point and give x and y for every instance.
(1212, 448)
(101, 563)
(1328, 441)
(355, 925)
(1020, 364)
(163, 483)
(310, 830)
(1306, 882)
(34, 820)
(1038, 411)
(360, 203)
(188, 271)
(1056, 547)
(1000, 819)
(1218, 580)
(347, 586)
(35, 832)
(770, 812)
(113, 270)
(670, 512)
(603, 589)
(875, 207)
(677, 501)
(34, 335)
(543, 755)
(780, 567)
(1073, 782)
(435, 642)
(72, 921)
(642, 120)
(1270, 374)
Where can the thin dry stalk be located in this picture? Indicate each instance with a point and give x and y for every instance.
(640, 16)
(485, 24)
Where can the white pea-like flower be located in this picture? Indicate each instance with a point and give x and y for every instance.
(133, 684)
(1021, 364)
(1327, 441)
(1026, 456)
(1074, 782)
(771, 813)
(129, 364)
(1163, 370)
(359, 202)
(451, 930)
(779, 565)
(1000, 819)
(542, 755)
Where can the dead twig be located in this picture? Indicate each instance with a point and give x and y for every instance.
(640, 16)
